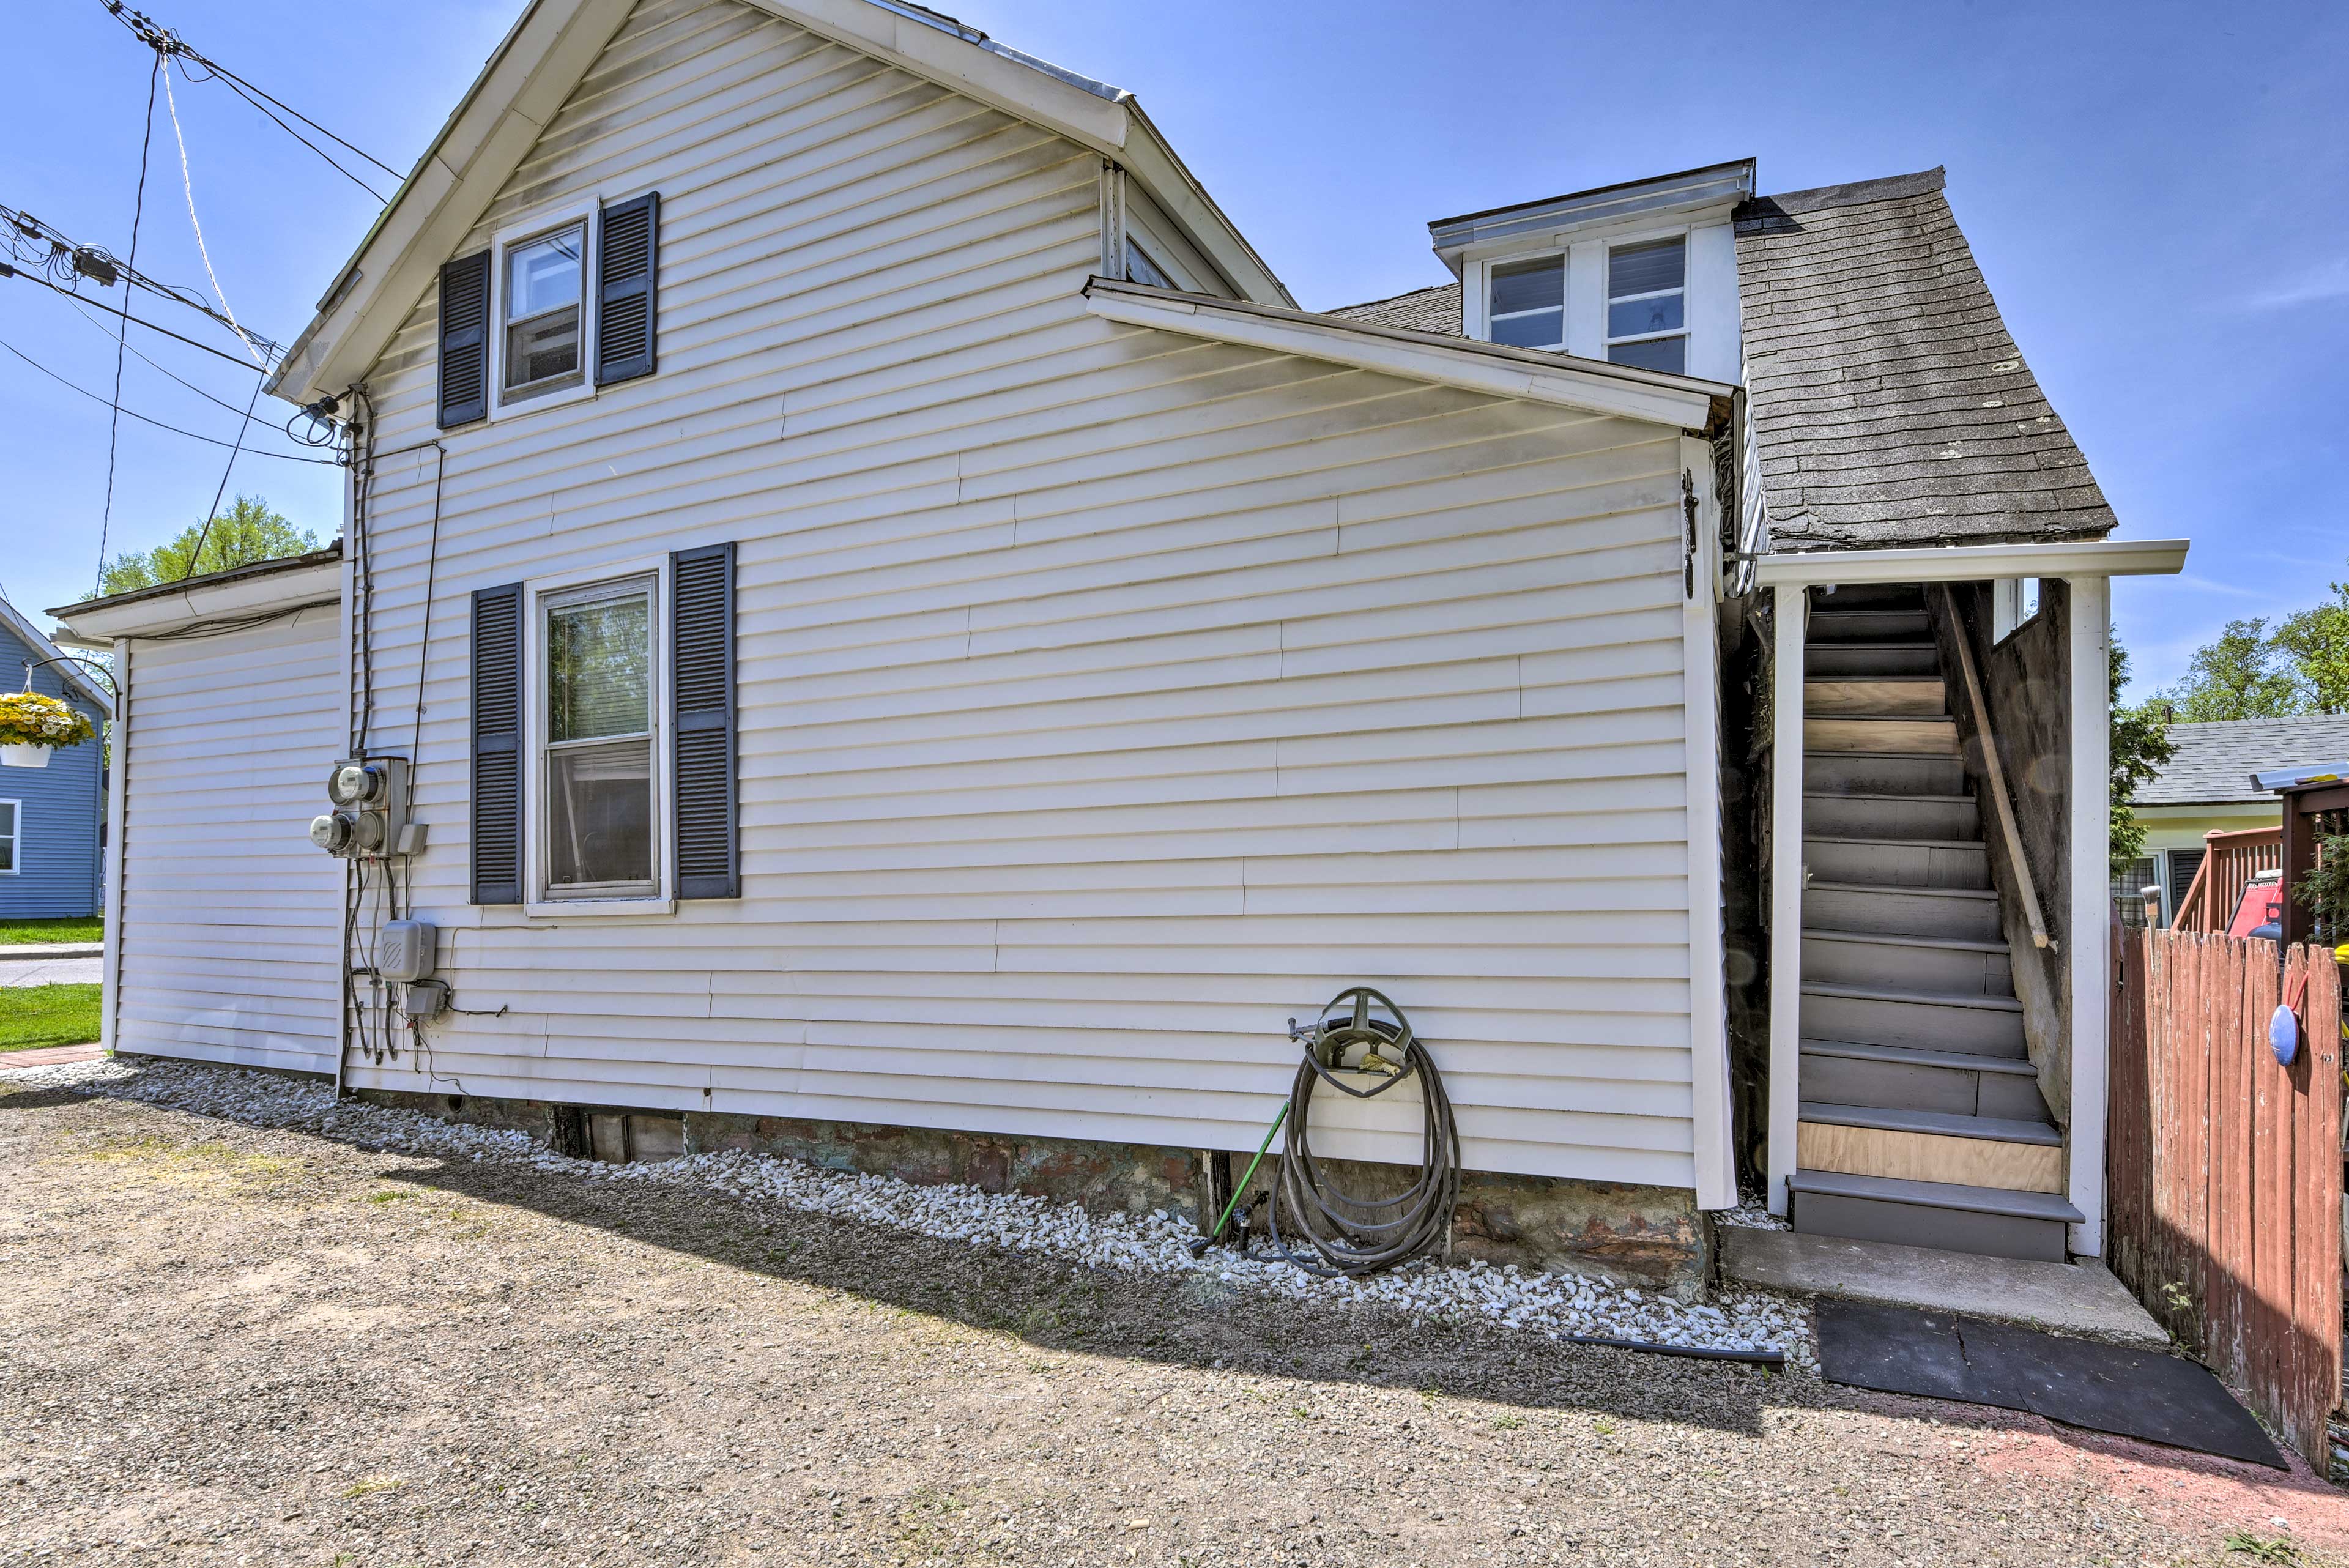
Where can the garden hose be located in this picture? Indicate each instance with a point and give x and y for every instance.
(1352, 1233)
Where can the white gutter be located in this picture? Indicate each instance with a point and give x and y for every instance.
(1593, 386)
(1971, 563)
(147, 616)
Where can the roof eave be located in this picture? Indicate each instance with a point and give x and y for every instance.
(258, 587)
(37, 640)
(1681, 402)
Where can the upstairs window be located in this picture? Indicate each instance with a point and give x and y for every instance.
(545, 293)
(1528, 304)
(1646, 305)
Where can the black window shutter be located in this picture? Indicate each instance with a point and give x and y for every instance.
(627, 265)
(497, 745)
(465, 339)
(702, 696)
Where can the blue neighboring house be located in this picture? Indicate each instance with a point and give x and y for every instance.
(52, 819)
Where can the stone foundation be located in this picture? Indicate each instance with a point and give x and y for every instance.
(1650, 1236)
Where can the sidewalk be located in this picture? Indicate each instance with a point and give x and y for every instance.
(33, 952)
(50, 1057)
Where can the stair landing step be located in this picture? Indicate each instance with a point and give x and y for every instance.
(1937, 1194)
(1936, 1124)
(1910, 1056)
(1905, 890)
(2081, 1299)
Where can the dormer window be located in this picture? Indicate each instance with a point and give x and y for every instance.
(1528, 303)
(1646, 305)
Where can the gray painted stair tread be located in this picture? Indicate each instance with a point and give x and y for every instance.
(1937, 1195)
(1879, 794)
(1910, 1056)
(1895, 939)
(1894, 843)
(1819, 885)
(2080, 1298)
(1916, 997)
(1939, 1124)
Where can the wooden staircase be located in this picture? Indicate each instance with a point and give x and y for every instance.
(1921, 1120)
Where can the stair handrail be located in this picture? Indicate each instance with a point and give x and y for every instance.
(2003, 807)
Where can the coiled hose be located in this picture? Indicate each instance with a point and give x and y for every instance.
(1349, 1234)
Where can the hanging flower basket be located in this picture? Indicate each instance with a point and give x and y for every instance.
(32, 726)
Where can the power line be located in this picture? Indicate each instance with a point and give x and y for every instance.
(214, 515)
(158, 424)
(122, 333)
(42, 248)
(188, 184)
(159, 365)
(7, 271)
(165, 42)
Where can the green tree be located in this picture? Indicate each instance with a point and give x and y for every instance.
(2140, 744)
(2243, 675)
(245, 533)
(2313, 644)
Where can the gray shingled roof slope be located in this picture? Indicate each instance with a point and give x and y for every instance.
(2214, 762)
(1887, 404)
(1433, 309)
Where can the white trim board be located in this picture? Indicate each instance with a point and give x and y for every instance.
(295, 589)
(1681, 402)
(2088, 960)
(1970, 563)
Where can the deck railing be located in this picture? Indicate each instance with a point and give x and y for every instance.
(2229, 861)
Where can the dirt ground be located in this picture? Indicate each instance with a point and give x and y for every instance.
(228, 1344)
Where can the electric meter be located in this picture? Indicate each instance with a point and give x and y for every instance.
(371, 816)
(355, 784)
(331, 833)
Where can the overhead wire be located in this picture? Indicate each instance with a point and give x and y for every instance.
(161, 369)
(9, 272)
(42, 248)
(213, 515)
(188, 184)
(133, 413)
(122, 333)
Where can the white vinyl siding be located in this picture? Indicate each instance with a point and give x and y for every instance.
(231, 919)
(1105, 697)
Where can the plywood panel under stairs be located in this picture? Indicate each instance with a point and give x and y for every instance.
(1931, 1157)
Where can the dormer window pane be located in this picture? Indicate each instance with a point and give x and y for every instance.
(1528, 303)
(1647, 305)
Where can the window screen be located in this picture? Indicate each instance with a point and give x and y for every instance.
(1646, 305)
(1528, 304)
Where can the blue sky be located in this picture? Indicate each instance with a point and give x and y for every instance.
(2155, 193)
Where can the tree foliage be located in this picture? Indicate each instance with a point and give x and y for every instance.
(2300, 665)
(247, 532)
(2140, 744)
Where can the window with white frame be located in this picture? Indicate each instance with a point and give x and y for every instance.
(543, 305)
(1646, 305)
(2013, 601)
(12, 820)
(1526, 303)
(599, 726)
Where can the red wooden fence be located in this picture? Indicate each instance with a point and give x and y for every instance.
(2224, 1169)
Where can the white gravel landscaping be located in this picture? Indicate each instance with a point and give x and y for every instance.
(1552, 1305)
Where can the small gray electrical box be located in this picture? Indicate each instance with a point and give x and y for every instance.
(404, 950)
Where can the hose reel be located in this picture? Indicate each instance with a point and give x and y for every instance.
(1338, 1231)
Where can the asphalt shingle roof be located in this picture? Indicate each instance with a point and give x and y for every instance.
(1887, 404)
(1433, 309)
(2214, 762)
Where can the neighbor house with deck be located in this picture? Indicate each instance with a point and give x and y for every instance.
(908, 646)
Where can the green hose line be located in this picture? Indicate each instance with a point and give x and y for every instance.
(1239, 1188)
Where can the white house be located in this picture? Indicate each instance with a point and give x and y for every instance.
(908, 646)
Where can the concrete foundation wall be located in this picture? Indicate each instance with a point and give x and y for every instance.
(1652, 1236)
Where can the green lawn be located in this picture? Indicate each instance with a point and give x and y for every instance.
(33, 1015)
(71, 929)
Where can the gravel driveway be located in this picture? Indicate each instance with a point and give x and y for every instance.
(229, 1344)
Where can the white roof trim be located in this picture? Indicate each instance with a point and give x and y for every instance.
(1682, 402)
(31, 636)
(550, 50)
(1971, 563)
(260, 594)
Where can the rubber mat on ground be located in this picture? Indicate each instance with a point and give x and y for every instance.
(2079, 1382)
